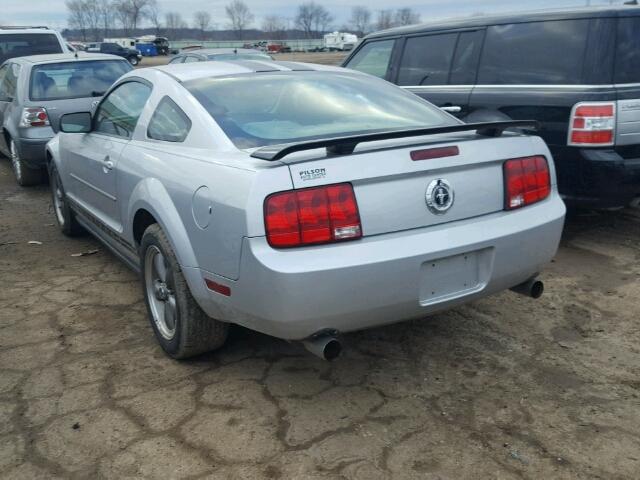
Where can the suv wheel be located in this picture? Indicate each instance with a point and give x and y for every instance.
(134, 60)
(64, 215)
(25, 176)
(181, 327)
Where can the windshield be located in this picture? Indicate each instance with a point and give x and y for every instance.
(239, 56)
(91, 78)
(22, 44)
(285, 107)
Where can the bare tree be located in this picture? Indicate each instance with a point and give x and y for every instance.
(130, 13)
(384, 20)
(173, 21)
(93, 16)
(406, 16)
(77, 17)
(153, 14)
(107, 16)
(275, 26)
(313, 18)
(240, 17)
(360, 20)
(202, 21)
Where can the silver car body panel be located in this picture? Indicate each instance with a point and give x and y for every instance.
(208, 197)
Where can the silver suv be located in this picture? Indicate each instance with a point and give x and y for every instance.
(35, 91)
(23, 41)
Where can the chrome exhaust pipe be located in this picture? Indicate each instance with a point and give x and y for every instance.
(326, 347)
(531, 288)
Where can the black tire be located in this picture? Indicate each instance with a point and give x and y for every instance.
(193, 332)
(65, 217)
(133, 61)
(25, 176)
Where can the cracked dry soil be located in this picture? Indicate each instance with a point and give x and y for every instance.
(506, 387)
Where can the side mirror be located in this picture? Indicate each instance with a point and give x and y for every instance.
(76, 122)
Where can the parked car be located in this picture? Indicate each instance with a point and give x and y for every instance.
(132, 55)
(302, 202)
(278, 47)
(220, 54)
(36, 90)
(575, 71)
(23, 41)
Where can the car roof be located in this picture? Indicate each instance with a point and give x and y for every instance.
(66, 57)
(520, 17)
(9, 30)
(184, 72)
(224, 51)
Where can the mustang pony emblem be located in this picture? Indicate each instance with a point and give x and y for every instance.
(439, 196)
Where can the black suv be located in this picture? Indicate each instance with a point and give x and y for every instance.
(575, 71)
(133, 56)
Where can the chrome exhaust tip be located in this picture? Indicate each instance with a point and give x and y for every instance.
(531, 288)
(326, 347)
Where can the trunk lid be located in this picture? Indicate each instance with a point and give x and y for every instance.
(392, 189)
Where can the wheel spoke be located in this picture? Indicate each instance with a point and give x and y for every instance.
(160, 267)
(170, 313)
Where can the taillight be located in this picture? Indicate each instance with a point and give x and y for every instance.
(592, 124)
(526, 181)
(312, 216)
(34, 117)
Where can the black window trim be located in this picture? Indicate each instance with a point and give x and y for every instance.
(166, 98)
(106, 95)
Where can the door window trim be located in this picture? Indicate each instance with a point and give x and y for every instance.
(106, 95)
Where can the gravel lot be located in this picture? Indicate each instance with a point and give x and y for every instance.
(506, 387)
(326, 58)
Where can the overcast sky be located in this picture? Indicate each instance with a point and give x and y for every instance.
(53, 12)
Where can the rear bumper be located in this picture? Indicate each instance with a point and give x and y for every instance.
(382, 279)
(599, 178)
(32, 151)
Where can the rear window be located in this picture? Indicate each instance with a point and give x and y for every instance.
(628, 56)
(91, 78)
(23, 44)
(274, 108)
(534, 53)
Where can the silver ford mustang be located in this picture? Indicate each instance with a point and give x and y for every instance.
(301, 201)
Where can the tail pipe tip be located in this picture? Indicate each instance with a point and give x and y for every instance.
(326, 347)
(531, 288)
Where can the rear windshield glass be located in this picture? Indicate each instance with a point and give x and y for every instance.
(273, 108)
(239, 56)
(22, 44)
(628, 55)
(91, 78)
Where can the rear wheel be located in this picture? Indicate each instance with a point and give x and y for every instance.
(64, 215)
(134, 61)
(181, 327)
(25, 176)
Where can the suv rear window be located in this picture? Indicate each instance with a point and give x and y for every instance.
(628, 55)
(537, 53)
(91, 78)
(22, 44)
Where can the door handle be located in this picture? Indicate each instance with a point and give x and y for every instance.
(107, 163)
(451, 109)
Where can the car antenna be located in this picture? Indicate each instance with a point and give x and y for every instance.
(235, 51)
(75, 54)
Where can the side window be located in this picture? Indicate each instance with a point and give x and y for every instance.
(177, 60)
(627, 68)
(169, 123)
(119, 112)
(373, 58)
(191, 59)
(539, 53)
(9, 81)
(465, 61)
(427, 60)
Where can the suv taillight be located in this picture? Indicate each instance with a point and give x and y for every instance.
(312, 216)
(34, 117)
(592, 124)
(526, 181)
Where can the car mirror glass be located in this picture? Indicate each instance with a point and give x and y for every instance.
(76, 122)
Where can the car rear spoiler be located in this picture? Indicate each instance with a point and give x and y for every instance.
(346, 145)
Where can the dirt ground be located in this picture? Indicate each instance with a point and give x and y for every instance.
(506, 387)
